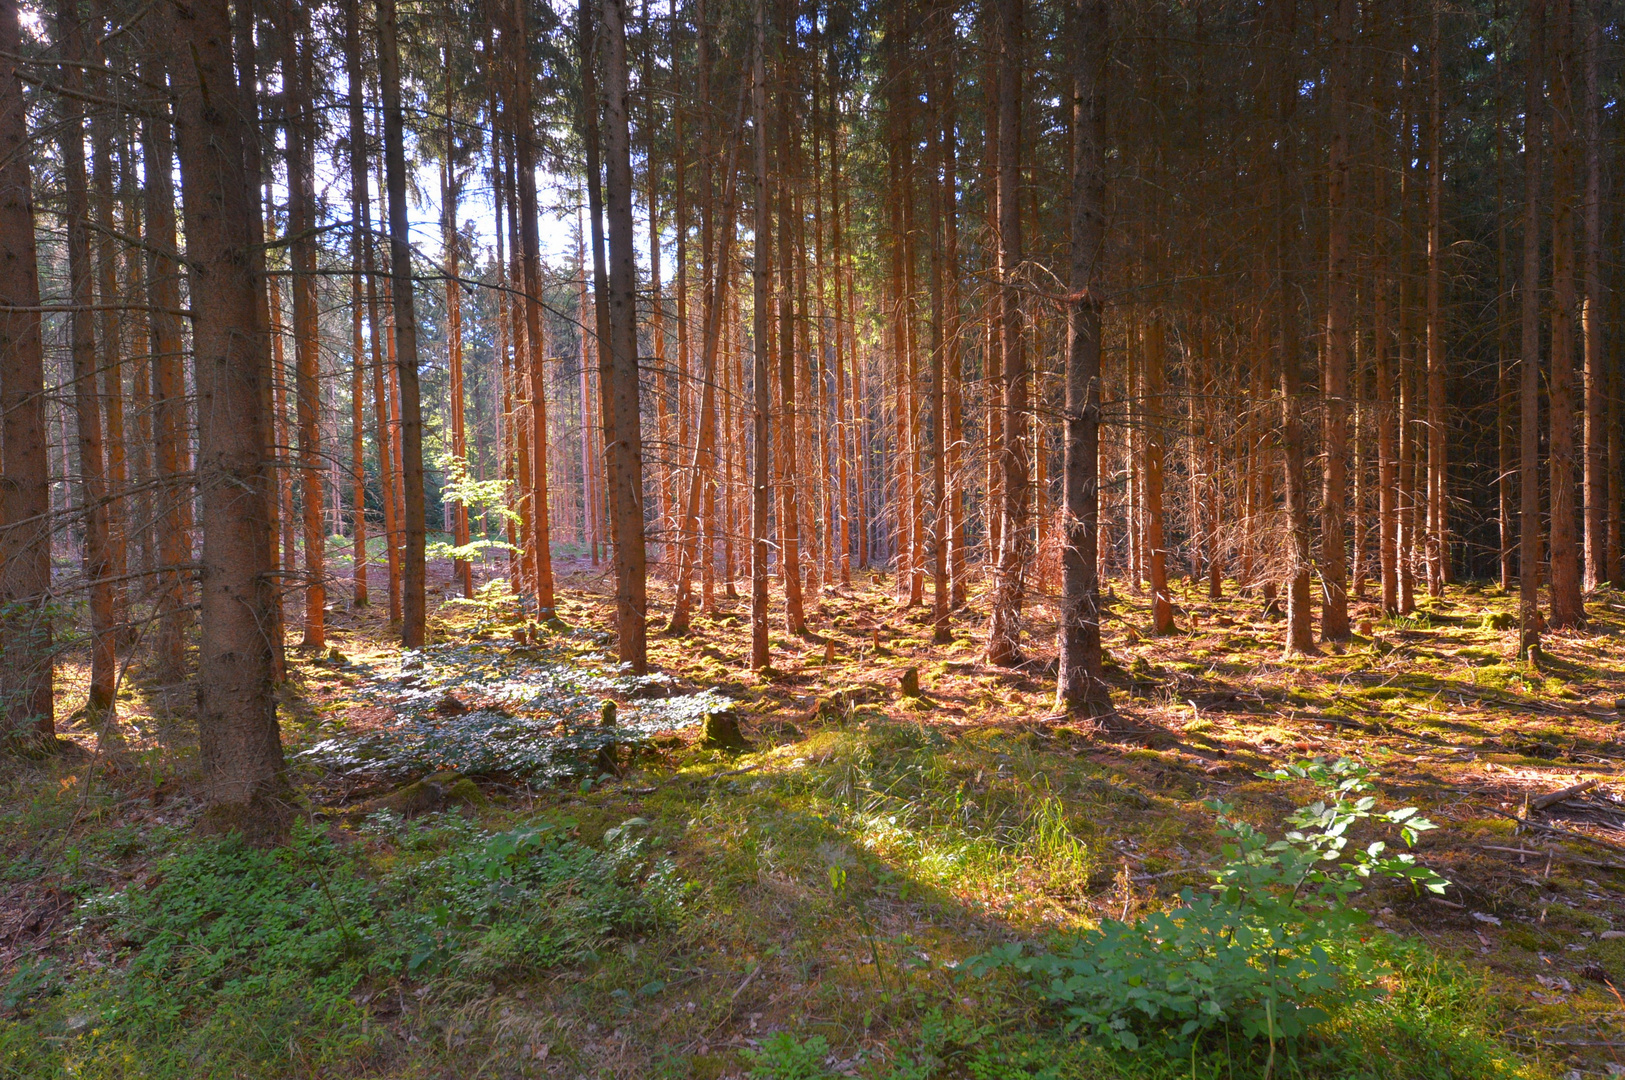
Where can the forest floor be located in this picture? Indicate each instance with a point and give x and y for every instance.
(488, 880)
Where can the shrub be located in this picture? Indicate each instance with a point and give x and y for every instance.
(1261, 953)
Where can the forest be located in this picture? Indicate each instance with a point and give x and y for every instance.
(812, 538)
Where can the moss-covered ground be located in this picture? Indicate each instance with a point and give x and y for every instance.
(489, 880)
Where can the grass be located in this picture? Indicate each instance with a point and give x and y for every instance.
(801, 909)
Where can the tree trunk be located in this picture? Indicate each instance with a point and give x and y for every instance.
(98, 569)
(1334, 619)
(1004, 628)
(1529, 537)
(1596, 378)
(306, 328)
(1299, 628)
(1080, 684)
(26, 706)
(540, 538)
(462, 569)
(413, 599)
(1436, 541)
(360, 236)
(622, 429)
(788, 517)
(761, 282)
(238, 739)
(1568, 607)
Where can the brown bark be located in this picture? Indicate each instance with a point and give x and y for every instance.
(413, 615)
(98, 570)
(787, 517)
(1299, 628)
(1568, 607)
(238, 739)
(1080, 683)
(296, 61)
(1436, 541)
(761, 281)
(450, 191)
(540, 537)
(1334, 619)
(624, 449)
(25, 494)
(1015, 543)
(360, 237)
(1595, 390)
(1529, 533)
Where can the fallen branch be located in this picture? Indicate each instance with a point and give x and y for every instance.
(1555, 797)
(1554, 853)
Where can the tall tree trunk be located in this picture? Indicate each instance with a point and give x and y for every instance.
(1437, 541)
(1299, 628)
(26, 707)
(1334, 619)
(98, 569)
(1529, 536)
(1004, 628)
(1596, 378)
(306, 327)
(788, 517)
(622, 429)
(238, 739)
(1080, 683)
(761, 282)
(360, 239)
(941, 602)
(525, 144)
(450, 191)
(110, 337)
(1503, 330)
(1156, 414)
(413, 599)
(1568, 607)
(169, 385)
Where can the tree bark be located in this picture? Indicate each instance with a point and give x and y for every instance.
(238, 739)
(1592, 306)
(413, 599)
(540, 537)
(624, 448)
(98, 569)
(1080, 683)
(1015, 543)
(761, 281)
(1568, 607)
(360, 238)
(26, 706)
(1529, 533)
(1334, 619)
(306, 328)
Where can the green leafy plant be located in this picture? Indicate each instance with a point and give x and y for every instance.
(782, 1056)
(1261, 953)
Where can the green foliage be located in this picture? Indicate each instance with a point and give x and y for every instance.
(276, 943)
(784, 1057)
(1261, 954)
